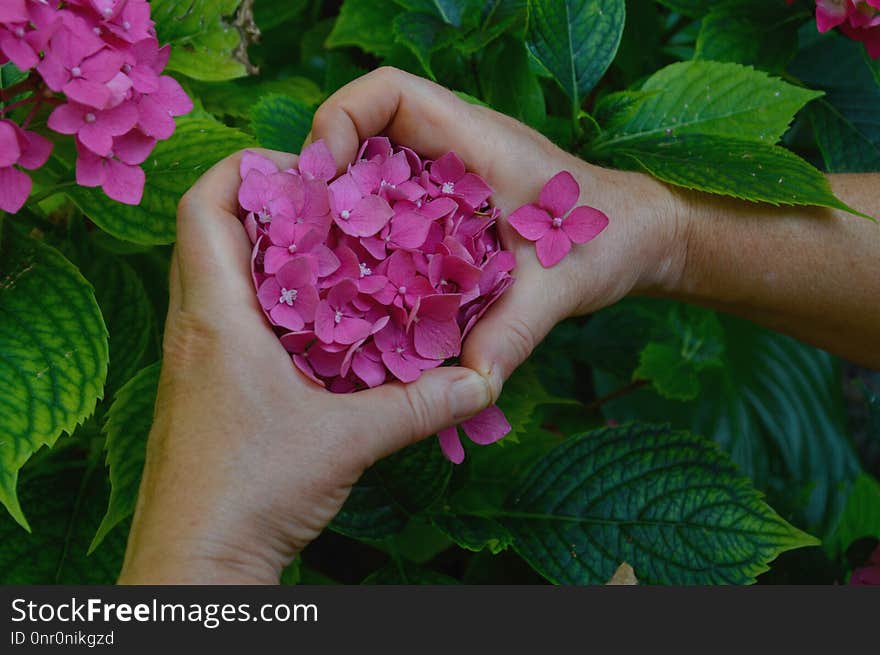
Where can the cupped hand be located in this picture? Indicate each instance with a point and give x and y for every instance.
(248, 461)
(642, 250)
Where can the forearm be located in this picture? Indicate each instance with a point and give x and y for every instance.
(811, 273)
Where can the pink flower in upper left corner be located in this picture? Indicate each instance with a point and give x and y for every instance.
(550, 224)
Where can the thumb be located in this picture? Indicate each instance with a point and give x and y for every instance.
(506, 336)
(393, 416)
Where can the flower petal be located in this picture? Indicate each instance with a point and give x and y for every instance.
(450, 444)
(584, 224)
(552, 247)
(560, 194)
(487, 427)
(531, 222)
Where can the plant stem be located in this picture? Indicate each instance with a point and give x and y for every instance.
(635, 385)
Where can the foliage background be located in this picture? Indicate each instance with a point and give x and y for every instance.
(647, 433)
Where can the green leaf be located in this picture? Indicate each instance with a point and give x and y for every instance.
(281, 123)
(509, 85)
(710, 98)
(204, 44)
(172, 169)
(732, 167)
(406, 573)
(237, 97)
(473, 532)
(65, 501)
(458, 13)
(762, 33)
(522, 395)
(575, 40)
(127, 427)
(669, 503)
(364, 24)
(395, 488)
(775, 407)
(693, 340)
(695, 8)
(292, 574)
(860, 517)
(845, 122)
(423, 34)
(53, 354)
(127, 311)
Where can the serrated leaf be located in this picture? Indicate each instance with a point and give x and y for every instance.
(364, 24)
(497, 17)
(382, 501)
(775, 407)
(860, 517)
(508, 83)
(710, 98)
(407, 573)
(281, 123)
(53, 354)
(670, 504)
(127, 427)
(203, 42)
(845, 122)
(732, 167)
(237, 97)
(171, 169)
(523, 393)
(65, 500)
(458, 13)
(575, 40)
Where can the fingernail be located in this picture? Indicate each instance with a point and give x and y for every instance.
(468, 396)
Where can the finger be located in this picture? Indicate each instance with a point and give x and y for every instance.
(509, 332)
(409, 110)
(175, 291)
(213, 250)
(393, 416)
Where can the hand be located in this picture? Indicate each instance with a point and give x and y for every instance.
(248, 461)
(642, 250)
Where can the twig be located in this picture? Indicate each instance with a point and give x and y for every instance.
(617, 393)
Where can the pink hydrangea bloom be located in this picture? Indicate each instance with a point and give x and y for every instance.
(103, 58)
(376, 274)
(858, 19)
(553, 224)
(869, 574)
(19, 149)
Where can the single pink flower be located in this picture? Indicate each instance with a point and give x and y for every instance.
(452, 179)
(389, 178)
(831, 13)
(356, 266)
(365, 360)
(337, 320)
(72, 43)
(405, 286)
(316, 162)
(121, 181)
(19, 148)
(407, 230)
(353, 212)
(132, 23)
(95, 128)
(158, 109)
(550, 224)
(144, 61)
(290, 298)
(289, 239)
(485, 428)
(270, 195)
(399, 354)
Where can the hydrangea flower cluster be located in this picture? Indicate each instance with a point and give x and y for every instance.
(99, 64)
(377, 274)
(858, 19)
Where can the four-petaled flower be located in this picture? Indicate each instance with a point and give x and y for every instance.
(550, 224)
(290, 297)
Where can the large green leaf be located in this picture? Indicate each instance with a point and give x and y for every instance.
(670, 504)
(423, 34)
(53, 354)
(775, 407)
(389, 492)
(237, 97)
(522, 395)
(575, 40)
(171, 169)
(281, 123)
(496, 18)
(365, 24)
(458, 13)
(860, 517)
(65, 499)
(127, 428)
(709, 98)
(509, 85)
(203, 40)
(846, 122)
(127, 311)
(731, 167)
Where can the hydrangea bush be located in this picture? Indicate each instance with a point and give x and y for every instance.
(111, 109)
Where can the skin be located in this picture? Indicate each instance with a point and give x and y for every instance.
(247, 462)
